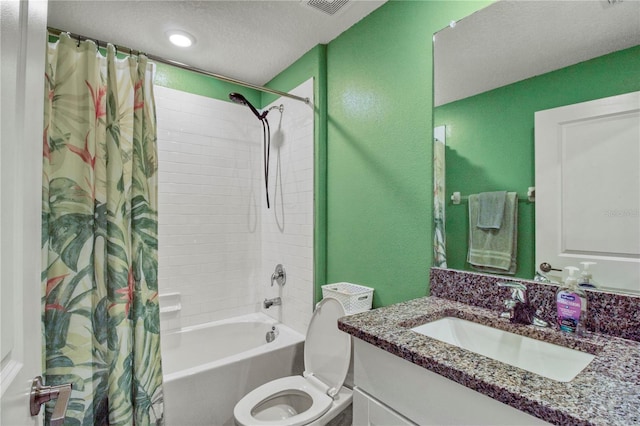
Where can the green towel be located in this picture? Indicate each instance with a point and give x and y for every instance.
(494, 250)
(491, 209)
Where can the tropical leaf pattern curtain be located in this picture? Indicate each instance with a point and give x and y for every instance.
(99, 239)
(439, 240)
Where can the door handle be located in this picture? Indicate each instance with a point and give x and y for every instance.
(41, 394)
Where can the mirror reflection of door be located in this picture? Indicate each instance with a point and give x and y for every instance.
(588, 184)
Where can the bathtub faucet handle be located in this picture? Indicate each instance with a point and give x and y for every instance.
(279, 275)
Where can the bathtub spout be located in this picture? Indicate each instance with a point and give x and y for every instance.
(271, 302)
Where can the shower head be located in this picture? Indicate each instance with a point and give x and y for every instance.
(239, 99)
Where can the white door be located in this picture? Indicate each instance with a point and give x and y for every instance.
(587, 163)
(23, 41)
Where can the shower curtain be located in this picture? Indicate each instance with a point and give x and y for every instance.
(439, 241)
(99, 235)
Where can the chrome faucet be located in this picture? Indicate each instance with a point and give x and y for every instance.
(539, 277)
(518, 308)
(276, 301)
(279, 275)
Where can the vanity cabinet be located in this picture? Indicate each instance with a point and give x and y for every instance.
(368, 411)
(393, 391)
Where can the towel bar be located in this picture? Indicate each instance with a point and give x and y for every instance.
(456, 198)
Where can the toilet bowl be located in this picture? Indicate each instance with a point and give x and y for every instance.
(315, 397)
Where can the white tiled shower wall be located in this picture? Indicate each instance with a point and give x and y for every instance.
(287, 227)
(218, 243)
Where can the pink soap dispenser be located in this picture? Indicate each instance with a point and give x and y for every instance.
(571, 302)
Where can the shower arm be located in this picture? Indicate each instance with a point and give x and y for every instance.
(263, 115)
(280, 108)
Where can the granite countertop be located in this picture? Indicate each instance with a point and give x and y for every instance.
(606, 392)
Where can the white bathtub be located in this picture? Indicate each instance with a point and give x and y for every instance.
(208, 368)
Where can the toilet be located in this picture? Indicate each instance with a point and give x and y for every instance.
(317, 396)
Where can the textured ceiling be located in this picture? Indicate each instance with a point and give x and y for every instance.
(247, 40)
(513, 40)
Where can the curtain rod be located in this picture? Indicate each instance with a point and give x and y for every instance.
(56, 32)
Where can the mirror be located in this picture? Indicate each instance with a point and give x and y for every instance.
(493, 70)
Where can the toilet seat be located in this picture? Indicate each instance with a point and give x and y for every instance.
(327, 354)
(321, 402)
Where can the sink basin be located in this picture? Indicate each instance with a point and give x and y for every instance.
(546, 359)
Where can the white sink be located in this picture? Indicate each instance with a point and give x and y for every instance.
(546, 359)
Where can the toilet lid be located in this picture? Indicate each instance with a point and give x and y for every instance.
(327, 350)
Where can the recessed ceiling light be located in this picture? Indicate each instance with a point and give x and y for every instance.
(180, 38)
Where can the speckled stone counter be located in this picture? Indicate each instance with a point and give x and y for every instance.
(608, 313)
(606, 392)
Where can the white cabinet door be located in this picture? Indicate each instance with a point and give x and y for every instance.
(367, 411)
(23, 37)
(587, 165)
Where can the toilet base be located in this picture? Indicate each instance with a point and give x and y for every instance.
(340, 413)
(344, 418)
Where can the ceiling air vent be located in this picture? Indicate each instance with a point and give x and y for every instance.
(330, 7)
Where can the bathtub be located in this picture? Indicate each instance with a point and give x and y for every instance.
(208, 368)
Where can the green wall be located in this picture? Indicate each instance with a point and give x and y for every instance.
(373, 91)
(200, 84)
(379, 173)
(490, 141)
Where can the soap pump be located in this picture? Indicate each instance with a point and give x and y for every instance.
(586, 279)
(571, 302)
